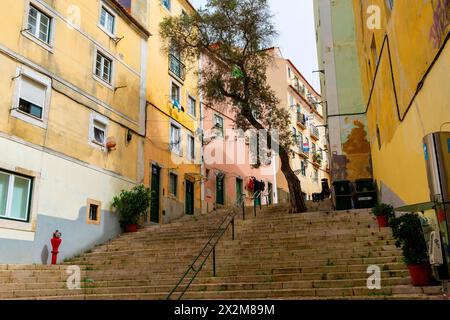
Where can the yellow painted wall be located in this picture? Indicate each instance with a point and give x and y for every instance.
(160, 112)
(411, 27)
(75, 94)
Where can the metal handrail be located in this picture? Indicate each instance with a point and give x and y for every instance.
(210, 247)
(256, 196)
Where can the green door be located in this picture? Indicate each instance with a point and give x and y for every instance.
(238, 190)
(220, 190)
(154, 207)
(189, 198)
(270, 192)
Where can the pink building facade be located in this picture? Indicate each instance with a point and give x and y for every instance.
(227, 162)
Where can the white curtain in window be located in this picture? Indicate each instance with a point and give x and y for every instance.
(32, 91)
(4, 182)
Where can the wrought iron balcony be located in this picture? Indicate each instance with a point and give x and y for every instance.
(177, 67)
(315, 132)
(301, 119)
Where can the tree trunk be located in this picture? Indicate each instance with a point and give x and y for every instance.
(295, 190)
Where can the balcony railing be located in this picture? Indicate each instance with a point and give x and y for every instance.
(315, 132)
(317, 158)
(177, 67)
(301, 119)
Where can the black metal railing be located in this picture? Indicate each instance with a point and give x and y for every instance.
(314, 131)
(208, 250)
(301, 119)
(177, 67)
(210, 247)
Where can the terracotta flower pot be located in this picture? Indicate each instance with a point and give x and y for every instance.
(383, 221)
(131, 228)
(421, 275)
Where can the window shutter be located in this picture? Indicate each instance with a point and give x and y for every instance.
(32, 91)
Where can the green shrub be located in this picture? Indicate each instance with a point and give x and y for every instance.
(132, 205)
(407, 231)
(383, 209)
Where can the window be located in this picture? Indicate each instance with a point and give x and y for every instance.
(107, 20)
(175, 138)
(192, 106)
(39, 25)
(98, 130)
(15, 196)
(175, 94)
(32, 97)
(191, 147)
(313, 148)
(176, 67)
(303, 168)
(166, 4)
(291, 101)
(300, 140)
(173, 184)
(218, 123)
(316, 175)
(289, 73)
(93, 212)
(103, 68)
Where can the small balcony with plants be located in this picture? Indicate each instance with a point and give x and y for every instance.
(317, 159)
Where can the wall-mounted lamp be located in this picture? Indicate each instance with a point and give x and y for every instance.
(117, 88)
(129, 136)
(321, 71)
(117, 40)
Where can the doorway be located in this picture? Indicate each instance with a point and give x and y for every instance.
(270, 192)
(155, 194)
(189, 197)
(239, 190)
(220, 196)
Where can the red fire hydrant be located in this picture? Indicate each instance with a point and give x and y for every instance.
(56, 242)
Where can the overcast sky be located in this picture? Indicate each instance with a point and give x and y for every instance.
(295, 23)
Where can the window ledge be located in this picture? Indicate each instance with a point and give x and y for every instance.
(103, 82)
(16, 225)
(17, 113)
(109, 34)
(46, 46)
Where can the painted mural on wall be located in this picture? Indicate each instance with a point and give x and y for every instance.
(441, 21)
(355, 162)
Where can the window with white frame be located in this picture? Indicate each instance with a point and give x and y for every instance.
(107, 20)
(173, 184)
(103, 67)
(32, 97)
(316, 175)
(166, 4)
(191, 147)
(99, 128)
(218, 123)
(175, 93)
(303, 168)
(192, 106)
(39, 24)
(15, 196)
(175, 138)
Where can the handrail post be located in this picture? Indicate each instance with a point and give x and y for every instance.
(243, 208)
(214, 261)
(254, 206)
(232, 227)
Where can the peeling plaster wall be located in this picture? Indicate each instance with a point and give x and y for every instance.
(341, 88)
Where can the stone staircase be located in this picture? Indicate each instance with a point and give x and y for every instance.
(315, 255)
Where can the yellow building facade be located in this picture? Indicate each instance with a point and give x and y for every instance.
(72, 123)
(405, 59)
(173, 141)
(309, 153)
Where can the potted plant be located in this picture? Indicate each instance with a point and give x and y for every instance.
(407, 231)
(383, 212)
(132, 205)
